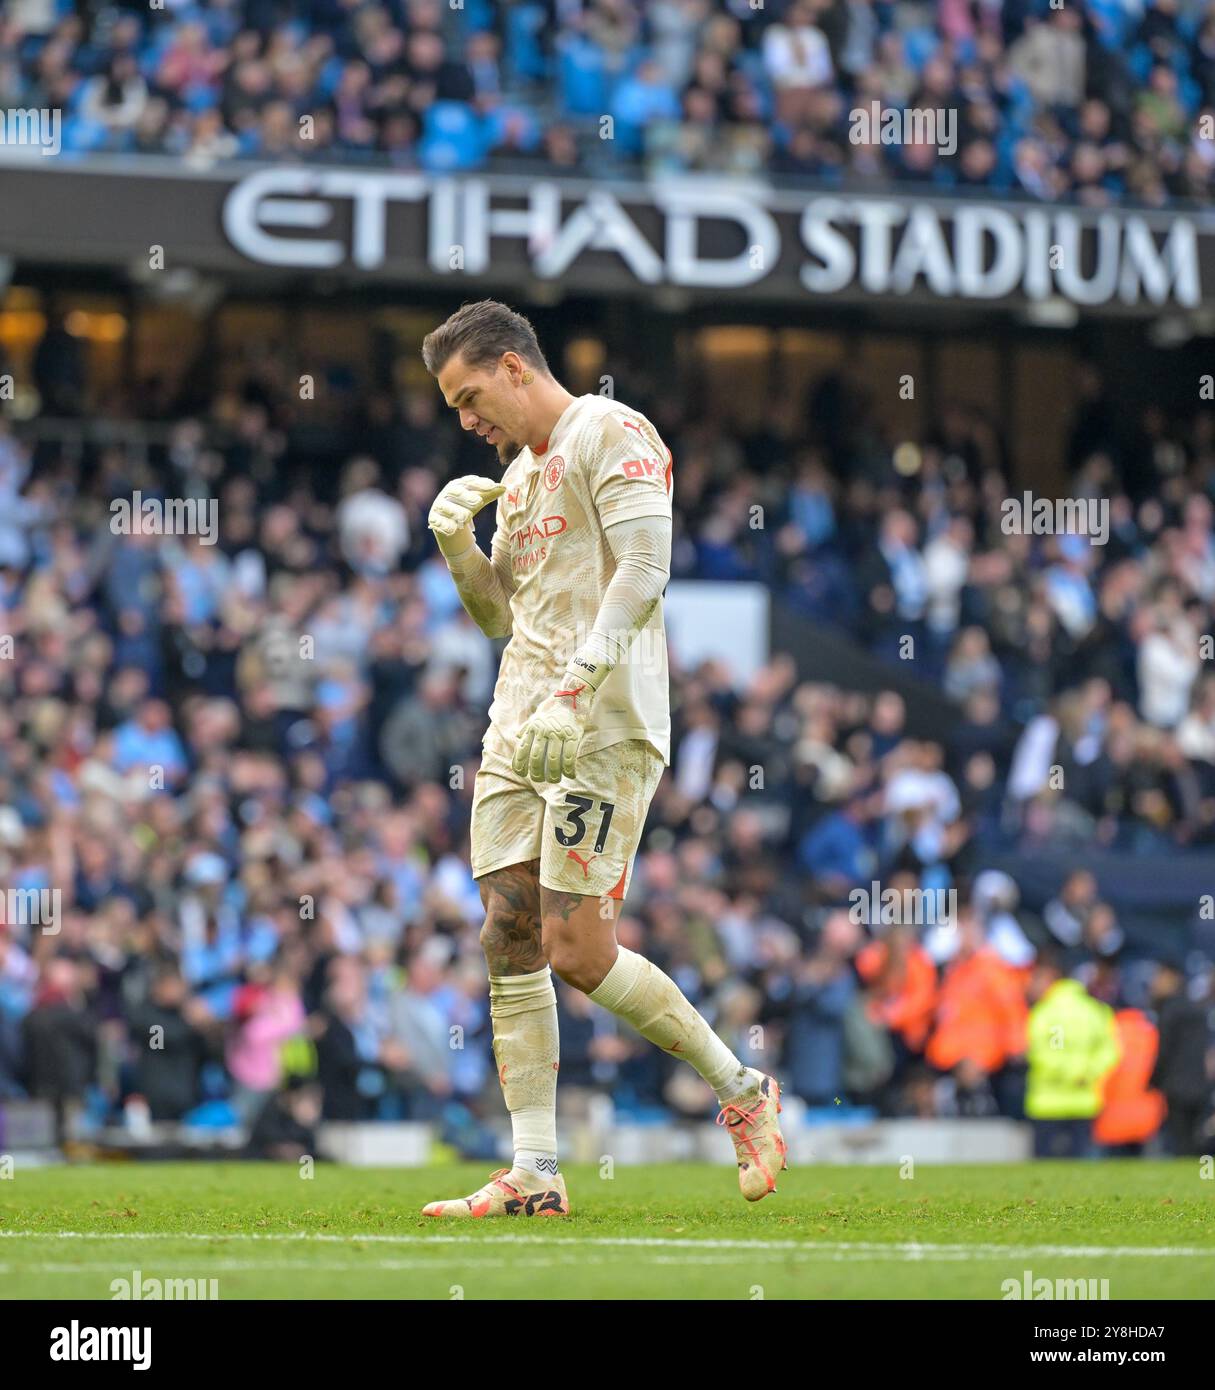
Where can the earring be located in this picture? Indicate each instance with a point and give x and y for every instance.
(528, 378)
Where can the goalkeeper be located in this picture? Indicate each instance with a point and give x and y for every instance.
(578, 736)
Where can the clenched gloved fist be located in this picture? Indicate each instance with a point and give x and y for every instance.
(454, 508)
(547, 749)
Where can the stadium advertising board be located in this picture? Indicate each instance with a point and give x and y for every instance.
(703, 237)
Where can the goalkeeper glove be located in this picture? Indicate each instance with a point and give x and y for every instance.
(454, 508)
(547, 748)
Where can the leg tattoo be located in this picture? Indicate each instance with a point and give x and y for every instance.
(511, 934)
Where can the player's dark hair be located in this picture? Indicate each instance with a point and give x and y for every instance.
(481, 333)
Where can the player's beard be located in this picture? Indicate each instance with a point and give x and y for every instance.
(508, 452)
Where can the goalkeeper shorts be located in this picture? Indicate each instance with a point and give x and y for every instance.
(584, 830)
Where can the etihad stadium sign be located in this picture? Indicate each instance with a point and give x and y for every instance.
(882, 246)
(682, 241)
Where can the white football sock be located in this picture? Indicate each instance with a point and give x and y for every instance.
(543, 1165)
(744, 1080)
(523, 1009)
(636, 990)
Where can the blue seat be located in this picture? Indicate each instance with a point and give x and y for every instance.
(919, 45)
(496, 121)
(751, 63)
(441, 154)
(211, 1114)
(453, 119)
(82, 136)
(1111, 19)
(584, 88)
(199, 98)
(329, 77)
(478, 16)
(842, 1114)
(452, 137)
(152, 55)
(1141, 62)
(523, 51)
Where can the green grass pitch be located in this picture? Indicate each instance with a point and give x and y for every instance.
(672, 1231)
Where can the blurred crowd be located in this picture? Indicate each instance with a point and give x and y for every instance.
(1086, 653)
(246, 770)
(1109, 101)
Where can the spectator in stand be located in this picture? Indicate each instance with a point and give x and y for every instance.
(797, 58)
(59, 1045)
(823, 989)
(1050, 59)
(168, 1046)
(1067, 914)
(268, 1013)
(838, 853)
(420, 1023)
(344, 1042)
(712, 84)
(286, 1127)
(117, 99)
(1168, 663)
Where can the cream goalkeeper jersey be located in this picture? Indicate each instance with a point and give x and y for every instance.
(601, 464)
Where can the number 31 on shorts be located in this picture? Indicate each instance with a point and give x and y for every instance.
(576, 829)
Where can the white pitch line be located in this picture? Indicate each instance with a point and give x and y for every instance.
(468, 1261)
(912, 1250)
(107, 1267)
